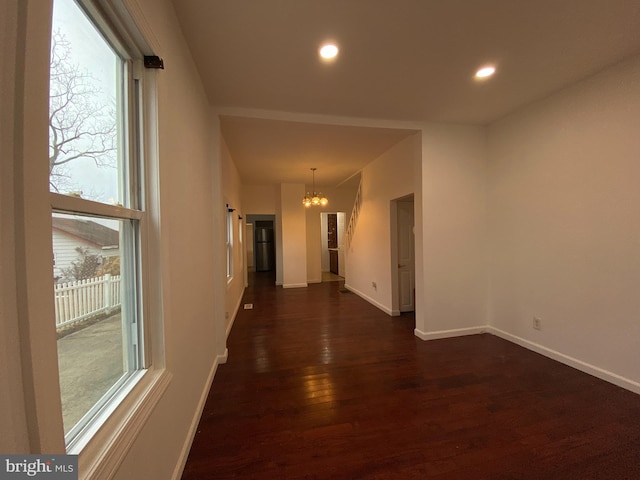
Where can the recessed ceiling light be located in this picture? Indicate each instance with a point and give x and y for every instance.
(329, 51)
(486, 72)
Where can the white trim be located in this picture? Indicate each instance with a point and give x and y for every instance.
(222, 359)
(295, 285)
(195, 421)
(318, 118)
(102, 456)
(71, 204)
(568, 360)
(235, 313)
(457, 332)
(585, 367)
(229, 242)
(314, 280)
(373, 302)
(144, 35)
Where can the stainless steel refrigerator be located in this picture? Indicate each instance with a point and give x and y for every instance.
(264, 249)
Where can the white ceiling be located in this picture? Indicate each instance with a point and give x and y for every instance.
(409, 60)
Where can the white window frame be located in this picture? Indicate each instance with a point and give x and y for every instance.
(150, 379)
(241, 248)
(103, 445)
(229, 242)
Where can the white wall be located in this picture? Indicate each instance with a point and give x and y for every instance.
(565, 229)
(454, 294)
(190, 250)
(260, 199)
(445, 168)
(249, 240)
(13, 415)
(294, 236)
(313, 238)
(279, 240)
(30, 401)
(192, 220)
(232, 193)
(390, 176)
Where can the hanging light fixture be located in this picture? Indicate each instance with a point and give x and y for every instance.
(316, 198)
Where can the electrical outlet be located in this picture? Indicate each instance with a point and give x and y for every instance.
(537, 323)
(374, 285)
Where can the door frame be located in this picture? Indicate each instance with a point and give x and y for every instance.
(394, 255)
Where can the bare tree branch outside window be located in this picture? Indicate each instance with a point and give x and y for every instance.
(82, 123)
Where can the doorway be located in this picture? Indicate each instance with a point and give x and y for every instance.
(332, 226)
(261, 247)
(264, 246)
(403, 255)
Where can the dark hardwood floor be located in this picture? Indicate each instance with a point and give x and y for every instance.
(322, 385)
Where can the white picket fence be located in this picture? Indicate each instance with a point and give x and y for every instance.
(82, 299)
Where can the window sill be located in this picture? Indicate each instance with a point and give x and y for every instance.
(109, 441)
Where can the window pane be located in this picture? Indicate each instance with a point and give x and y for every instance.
(229, 244)
(94, 305)
(85, 141)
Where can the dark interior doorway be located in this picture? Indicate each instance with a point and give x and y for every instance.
(264, 246)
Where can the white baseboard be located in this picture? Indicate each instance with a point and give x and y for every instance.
(295, 285)
(373, 302)
(567, 360)
(184, 454)
(547, 352)
(235, 313)
(314, 280)
(222, 359)
(585, 367)
(458, 332)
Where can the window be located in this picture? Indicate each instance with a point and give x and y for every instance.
(229, 242)
(98, 216)
(241, 242)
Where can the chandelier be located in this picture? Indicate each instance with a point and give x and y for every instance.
(316, 198)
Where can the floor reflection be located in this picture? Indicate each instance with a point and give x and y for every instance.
(318, 385)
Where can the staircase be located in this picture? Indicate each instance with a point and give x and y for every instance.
(354, 216)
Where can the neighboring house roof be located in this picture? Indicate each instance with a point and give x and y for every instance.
(90, 231)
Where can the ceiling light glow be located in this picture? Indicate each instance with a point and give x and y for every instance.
(329, 51)
(486, 72)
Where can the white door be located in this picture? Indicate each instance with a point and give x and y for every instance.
(406, 262)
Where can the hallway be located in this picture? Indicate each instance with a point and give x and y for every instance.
(320, 384)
